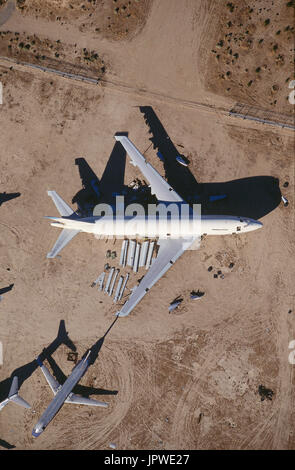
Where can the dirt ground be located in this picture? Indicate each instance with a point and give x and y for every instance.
(185, 380)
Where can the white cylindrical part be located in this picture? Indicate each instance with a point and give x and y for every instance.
(136, 257)
(101, 280)
(131, 253)
(118, 288)
(123, 252)
(106, 289)
(149, 255)
(123, 287)
(113, 282)
(143, 253)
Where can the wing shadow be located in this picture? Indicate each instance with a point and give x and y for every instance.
(252, 197)
(25, 371)
(4, 197)
(82, 389)
(3, 290)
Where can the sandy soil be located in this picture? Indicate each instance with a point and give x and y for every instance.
(250, 54)
(187, 380)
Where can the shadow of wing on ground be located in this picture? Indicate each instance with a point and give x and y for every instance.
(6, 444)
(3, 290)
(94, 352)
(96, 191)
(4, 197)
(25, 371)
(252, 197)
(178, 176)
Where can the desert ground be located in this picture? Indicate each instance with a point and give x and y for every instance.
(188, 379)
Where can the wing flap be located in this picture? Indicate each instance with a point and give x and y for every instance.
(170, 251)
(159, 187)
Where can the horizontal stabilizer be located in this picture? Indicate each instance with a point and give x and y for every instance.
(20, 401)
(64, 238)
(14, 387)
(13, 396)
(78, 400)
(61, 205)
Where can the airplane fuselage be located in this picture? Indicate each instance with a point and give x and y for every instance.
(166, 227)
(61, 396)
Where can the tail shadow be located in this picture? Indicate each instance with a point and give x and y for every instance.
(105, 189)
(94, 352)
(25, 371)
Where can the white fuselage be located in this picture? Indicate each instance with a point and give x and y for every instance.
(143, 226)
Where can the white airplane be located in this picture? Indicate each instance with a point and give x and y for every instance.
(14, 396)
(171, 245)
(63, 393)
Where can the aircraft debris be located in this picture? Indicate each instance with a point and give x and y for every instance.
(285, 201)
(265, 393)
(175, 304)
(197, 295)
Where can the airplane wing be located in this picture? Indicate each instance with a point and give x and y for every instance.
(159, 186)
(64, 238)
(170, 251)
(78, 400)
(54, 385)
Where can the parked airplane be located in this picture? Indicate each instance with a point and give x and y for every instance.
(63, 393)
(14, 396)
(171, 247)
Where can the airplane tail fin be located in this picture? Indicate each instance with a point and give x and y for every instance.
(14, 396)
(61, 205)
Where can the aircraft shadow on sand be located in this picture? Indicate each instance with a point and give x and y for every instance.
(252, 197)
(6, 444)
(4, 197)
(3, 290)
(25, 371)
(82, 389)
(96, 191)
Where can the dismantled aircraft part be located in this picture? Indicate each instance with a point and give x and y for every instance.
(197, 294)
(123, 255)
(113, 282)
(136, 257)
(175, 304)
(108, 283)
(123, 286)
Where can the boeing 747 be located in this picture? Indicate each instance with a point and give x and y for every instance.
(172, 244)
